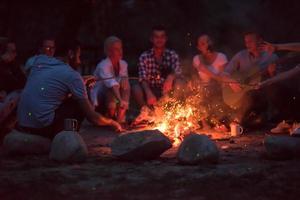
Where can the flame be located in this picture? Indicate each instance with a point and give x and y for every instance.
(176, 116)
(179, 113)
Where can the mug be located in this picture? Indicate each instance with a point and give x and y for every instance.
(71, 124)
(236, 130)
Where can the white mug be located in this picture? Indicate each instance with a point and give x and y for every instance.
(236, 130)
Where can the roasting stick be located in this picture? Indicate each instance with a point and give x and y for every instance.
(137, 78)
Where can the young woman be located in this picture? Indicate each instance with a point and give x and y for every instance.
(210, 65)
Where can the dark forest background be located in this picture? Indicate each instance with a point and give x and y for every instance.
(91, 21)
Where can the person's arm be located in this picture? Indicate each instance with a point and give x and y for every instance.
(269, 47)
(124, 83)
(151, 98)
(116, 92)
(222, 77)
(176, 73)
(96, 118)
(106, 72)
(201, 67)
(175, 63)
(281, 77)
(143, 78)
(79, 93)
(233, 64)
(7, 57)
(288, 47)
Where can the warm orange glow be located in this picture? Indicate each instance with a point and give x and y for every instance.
(178, 114)
(173, 117)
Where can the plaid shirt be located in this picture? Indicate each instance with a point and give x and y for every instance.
(154, 73)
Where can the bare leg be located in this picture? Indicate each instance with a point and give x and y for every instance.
(111, 104)
(125, 95)
(138, 95)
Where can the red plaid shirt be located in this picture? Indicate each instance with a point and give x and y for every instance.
(155, 73)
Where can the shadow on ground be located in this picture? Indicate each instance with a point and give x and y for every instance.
(242, 173)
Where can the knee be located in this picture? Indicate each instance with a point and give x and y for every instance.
(111, 105)
(126, 90)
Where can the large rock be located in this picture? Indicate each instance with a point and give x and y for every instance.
(143, 145)
(282, 146)
(18, 143)
(197, 149)
(68, 146)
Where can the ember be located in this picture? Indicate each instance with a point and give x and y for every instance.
(175, 115)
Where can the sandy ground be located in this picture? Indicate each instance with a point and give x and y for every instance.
(243, 172)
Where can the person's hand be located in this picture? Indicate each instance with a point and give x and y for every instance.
(167, 87)
(8, 56)
(124, 83)
(235, 86)
(117, 126)
(89, 80)
(257, 86)
(265, 83)
(168, 84)
(123, 104)
(268, 47)
(2, 95)
(151, 99)
(272, 69)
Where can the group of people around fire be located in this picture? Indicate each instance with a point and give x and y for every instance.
(48, 89)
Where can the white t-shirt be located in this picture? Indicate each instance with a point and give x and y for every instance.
(105, 70)
(215, 67)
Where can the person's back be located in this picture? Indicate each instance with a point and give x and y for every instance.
(48, 84)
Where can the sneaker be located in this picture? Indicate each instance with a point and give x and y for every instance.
(295, 130)
(282, 128)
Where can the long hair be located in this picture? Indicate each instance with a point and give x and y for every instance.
(211, 43)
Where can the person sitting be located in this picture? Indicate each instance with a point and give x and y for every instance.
(113, 86)
(159, 70)
(285, 126)
(244, 62)
(54, 92)
(47, 48)
(12, 81)
(210, 65)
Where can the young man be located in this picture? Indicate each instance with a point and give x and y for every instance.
(243, 62)
(158, 69)
(12, 81)
(47, 48)
(113, 84)
(54, 92)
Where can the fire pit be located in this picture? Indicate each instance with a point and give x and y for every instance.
(176, 116)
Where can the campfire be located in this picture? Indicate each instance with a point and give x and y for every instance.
(175, 115)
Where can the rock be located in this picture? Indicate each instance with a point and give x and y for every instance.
(283, 147)
(18, 143)
(68, 146)
(143, 145)
(196, 149)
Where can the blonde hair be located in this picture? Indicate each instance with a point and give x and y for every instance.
(110, 41)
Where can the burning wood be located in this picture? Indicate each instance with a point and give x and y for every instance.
(175, 115)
